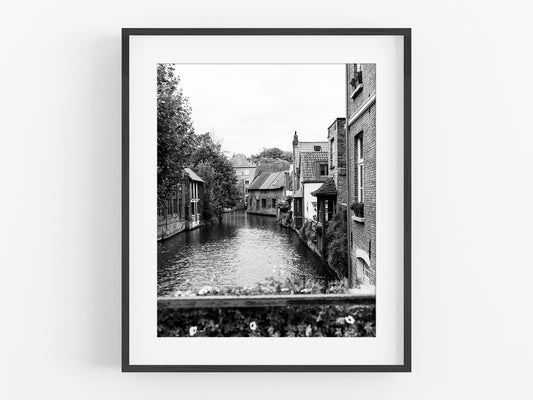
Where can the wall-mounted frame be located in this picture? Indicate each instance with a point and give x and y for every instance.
(175, 317)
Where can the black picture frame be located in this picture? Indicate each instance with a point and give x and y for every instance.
(402, 32)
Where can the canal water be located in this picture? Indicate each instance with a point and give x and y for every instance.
(243, 250)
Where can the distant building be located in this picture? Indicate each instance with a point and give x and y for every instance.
(245, 171)
(182, 209)
(266, 192)
(303, 147)
(361, 148)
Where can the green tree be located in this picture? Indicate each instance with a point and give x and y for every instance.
(272, 153)
(220, 189)
(175, 133)
(337, 242)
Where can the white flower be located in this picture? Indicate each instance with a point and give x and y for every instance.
(308, 331)
(205, 290)
(192, 330)
(253, 326)
(349, 319)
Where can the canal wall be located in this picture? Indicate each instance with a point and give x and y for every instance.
(267, 213)
(170, 226)
(309, 241)
(307, 233)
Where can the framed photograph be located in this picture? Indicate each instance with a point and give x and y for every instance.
(266, 200)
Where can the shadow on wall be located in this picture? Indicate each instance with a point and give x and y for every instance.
(102, 279)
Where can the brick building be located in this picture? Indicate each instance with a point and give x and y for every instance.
(310, 170)
(337, 157)
(314, 170)
(361, 149)
(266, 192)
(182, 210)
(245, 171)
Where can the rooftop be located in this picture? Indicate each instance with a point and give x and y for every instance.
(268, 181)
(240, 161)
(309, 165)
(328, 188)
(193, 175)
(303, 147)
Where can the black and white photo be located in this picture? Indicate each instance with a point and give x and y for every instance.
(266, 194)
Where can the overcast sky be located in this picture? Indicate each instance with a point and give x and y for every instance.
(254, 106)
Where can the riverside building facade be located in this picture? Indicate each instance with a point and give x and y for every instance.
(361, 148)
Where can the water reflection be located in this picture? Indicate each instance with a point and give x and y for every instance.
(243, 250)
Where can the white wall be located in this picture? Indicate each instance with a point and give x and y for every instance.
(308, 199)
(472, 199)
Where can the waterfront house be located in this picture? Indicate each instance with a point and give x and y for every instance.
(326, 196)
(266, 192)
(182, 209)
(334, 189)
(245, 171)
(310, 170)
(361, 149)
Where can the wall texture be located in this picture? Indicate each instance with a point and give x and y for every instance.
(60, 203)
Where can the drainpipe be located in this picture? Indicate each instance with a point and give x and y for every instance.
(348, 180)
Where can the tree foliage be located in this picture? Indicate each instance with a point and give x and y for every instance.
(272, 153)
(211, 164)
(337, 242)
(175, 133)
(179, 147)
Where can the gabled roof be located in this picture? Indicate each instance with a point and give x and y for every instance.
(308, 164)
(193, 175)
(240, 161)
(268, 181)
(328, 188)
(304, 147)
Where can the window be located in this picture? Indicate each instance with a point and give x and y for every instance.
(357, 80)
(263, 203)
(363, 271)
(246, 181)
(318, 148)
(323, 169)
(174, 206)
(360, 169)
(273, 203)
